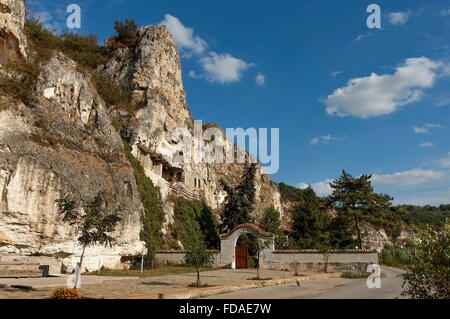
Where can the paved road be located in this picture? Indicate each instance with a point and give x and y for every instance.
(391, 287)
(335, 288)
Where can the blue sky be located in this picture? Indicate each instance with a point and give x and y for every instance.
(344, 96)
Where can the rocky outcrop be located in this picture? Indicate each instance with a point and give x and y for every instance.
(65, 145)
(13, 42)
(152, 71)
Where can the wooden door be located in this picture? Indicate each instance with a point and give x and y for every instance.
(241, 256)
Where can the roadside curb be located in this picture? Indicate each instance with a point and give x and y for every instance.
(206, 292)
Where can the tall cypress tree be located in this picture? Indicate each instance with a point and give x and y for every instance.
(239, 203)
(309, 220)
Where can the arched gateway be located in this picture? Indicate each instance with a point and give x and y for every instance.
(228, 243)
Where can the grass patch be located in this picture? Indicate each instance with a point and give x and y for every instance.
(164, 270)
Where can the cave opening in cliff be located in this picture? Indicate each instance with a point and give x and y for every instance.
(172, 174)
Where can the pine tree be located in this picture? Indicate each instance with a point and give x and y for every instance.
(239, 203)
(356, 203)
(308, 220)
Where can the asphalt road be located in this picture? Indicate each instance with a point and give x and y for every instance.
(334, 288)
(391, 287)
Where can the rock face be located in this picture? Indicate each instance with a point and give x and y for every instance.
(64, 146)
(13, 42)
(153, 72)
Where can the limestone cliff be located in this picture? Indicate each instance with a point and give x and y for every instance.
(152, 70)
(65, 144)
(13, 42)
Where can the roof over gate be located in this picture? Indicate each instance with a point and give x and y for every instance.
(251, 226)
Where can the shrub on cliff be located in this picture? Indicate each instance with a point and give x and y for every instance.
(195, 221)
(126, 37)
(153, 215)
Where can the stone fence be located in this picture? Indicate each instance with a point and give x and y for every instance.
(308, 260)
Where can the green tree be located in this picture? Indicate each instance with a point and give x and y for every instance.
(93, 225)
(195, 221)
(127, 35)
(239, 201)
(308, 220)
(356, 203)
(259, 246)
(271, 222)
(428, 276)
(198, 257)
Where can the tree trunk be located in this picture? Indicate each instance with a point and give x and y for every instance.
(257, 269)
(359, 233)
(326, 263)
(79, 266)
(198, 277)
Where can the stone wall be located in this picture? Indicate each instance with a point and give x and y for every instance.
(176, 257)
(352, 260)
(349, 261)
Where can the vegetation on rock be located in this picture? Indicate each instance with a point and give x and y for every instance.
(195, 221)
(239, 202)
(153, 216)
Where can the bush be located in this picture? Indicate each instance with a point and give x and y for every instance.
(397, 257)
(126, 37)
(84, 49)
(65, 293)
(195, 221)
(428, 276)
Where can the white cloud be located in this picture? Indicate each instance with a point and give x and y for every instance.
(321, 188)
(184, 36)
(426, 144)
(443, 101)
(335, 74)
(398, 18)
(50, 19)
(424, 199)
(260, 79)
(426, 128)
(377, 95)
(325, 139)
(445, 161)
(408, 178)
(445, 12)
(223, 68)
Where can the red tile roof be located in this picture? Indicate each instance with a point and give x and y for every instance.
(254, 227)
